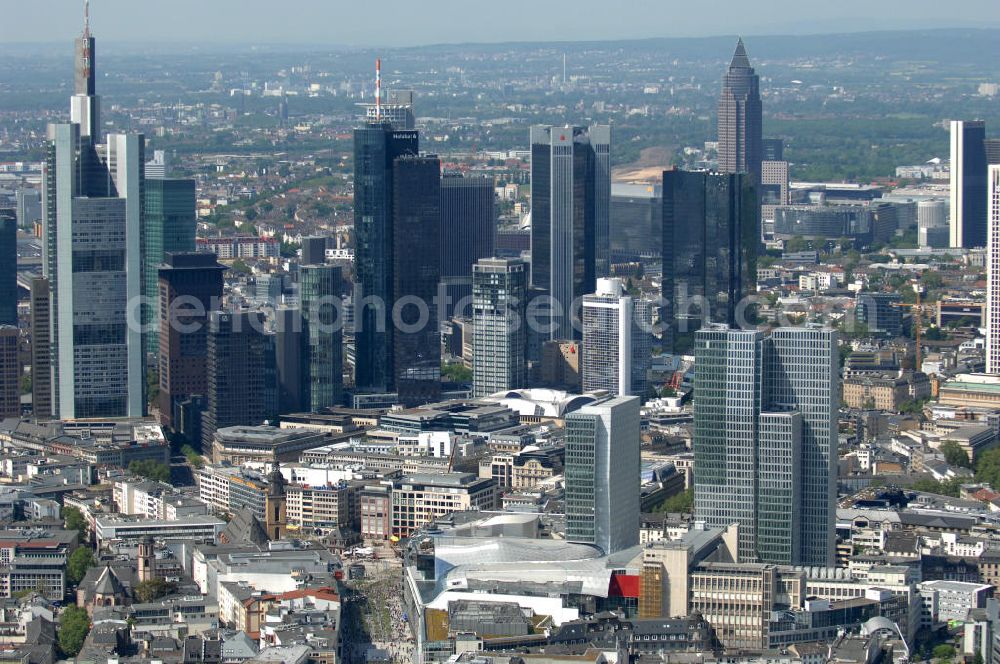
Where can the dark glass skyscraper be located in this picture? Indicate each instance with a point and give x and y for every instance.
(570, 215)
(170, 228)
(376, 146)
(416, 273)
(8, 267)
(968, 184)
(185, 278)
(468, 223)
(740, 117)
(322, 342)
(710, 237)
(236, 372)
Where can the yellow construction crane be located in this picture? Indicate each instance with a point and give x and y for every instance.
(917, 312)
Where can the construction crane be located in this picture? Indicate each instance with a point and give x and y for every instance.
(917, 312)
(451, 457)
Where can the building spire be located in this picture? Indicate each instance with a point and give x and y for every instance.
(86, 19)
(740, 59)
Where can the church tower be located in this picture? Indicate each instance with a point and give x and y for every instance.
(275, 516)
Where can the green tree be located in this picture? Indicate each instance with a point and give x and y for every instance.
(79, 562)
(73, 520)
(151, 469)
(153, 589)
(947, 488)
(943, 651)
(797, 243)
(456, 372)
(955, 455)
(240, 266)
(153, 386)
(682, 503)
(192, 456)
(988, 467)
(74, 625)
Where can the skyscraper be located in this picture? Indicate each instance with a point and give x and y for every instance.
(728, 402)
(968, 184)
(740, 118)
(313, 251)
(170, 228)
(92, 261)
(288, 347)
(765, 440)
(376, 146)
(93, 220)
(773, 149)
(468, 223)
(237, 354)
(41, 357)
(322, 343)
(710, 239)
(774, 188)
(416, 219)
(802, 376)
(993, 274)
(616, 332)
(190, 285)
(570, 215)
(10, 372)
(8, 267)
(602, 474)
(500, 333)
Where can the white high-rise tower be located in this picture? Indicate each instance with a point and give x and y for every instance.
(993, 273)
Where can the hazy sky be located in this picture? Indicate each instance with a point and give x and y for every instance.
(404, 23)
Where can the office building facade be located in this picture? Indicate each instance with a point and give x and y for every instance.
(740, 118)
(10, 372)
(709, 246)
(41, 358)
(237, 351)
(376, 146)
(803, 376)
(880, 313)
(170, 224)
(993, 274)
(570, 216)
(322, 343)
(616, 344)
(288, 346)
(8, 267)
(636, 221)
(416, 218)
(190, 286)
(91, 255)
(500, 333)
(968, 184)
(765, 440)
(468, 223)
(602, 474)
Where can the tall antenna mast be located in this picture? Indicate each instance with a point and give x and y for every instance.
(378, 89)
(86, 18)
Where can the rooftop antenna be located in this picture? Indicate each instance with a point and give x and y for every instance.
(378, 89)
(86, 19)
